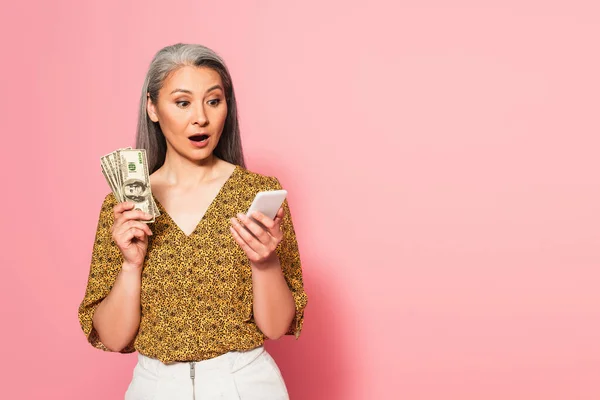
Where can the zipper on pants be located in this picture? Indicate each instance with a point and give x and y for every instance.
(193, 377)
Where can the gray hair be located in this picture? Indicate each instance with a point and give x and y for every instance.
(165, 62)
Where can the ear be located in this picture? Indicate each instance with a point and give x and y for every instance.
(151, 109)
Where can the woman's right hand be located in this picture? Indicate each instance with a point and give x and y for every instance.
(131, 234)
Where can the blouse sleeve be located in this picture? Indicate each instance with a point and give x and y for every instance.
(289, 258)
(105, 265)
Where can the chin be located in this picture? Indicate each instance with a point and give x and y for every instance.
(201, 154)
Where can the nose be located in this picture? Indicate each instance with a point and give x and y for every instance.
(200, 116)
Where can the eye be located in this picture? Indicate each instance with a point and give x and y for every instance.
(214, 102)
(182, 103)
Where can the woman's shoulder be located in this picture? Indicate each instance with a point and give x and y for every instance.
(259, 180)
(108, 203)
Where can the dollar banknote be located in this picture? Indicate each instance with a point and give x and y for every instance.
(126, 172)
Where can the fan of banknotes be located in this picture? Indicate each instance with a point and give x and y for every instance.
(126, 171)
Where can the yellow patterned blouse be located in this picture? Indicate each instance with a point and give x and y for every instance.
(196, 295)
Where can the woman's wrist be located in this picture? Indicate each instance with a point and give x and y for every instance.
(129, 280)
(268, 264)
(131, 268)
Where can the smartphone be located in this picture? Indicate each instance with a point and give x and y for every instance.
(268, 202)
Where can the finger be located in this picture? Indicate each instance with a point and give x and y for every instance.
(122, 228)
(139, 234)
(248, 237)
(259, 231)
(122, 207)
(245, 246)
(136, 214)
(133, 215)
(133, 233)
(273, 226)
(279, 216)
(128, 236)
(263, 219)
(140, 225)
(278, 233)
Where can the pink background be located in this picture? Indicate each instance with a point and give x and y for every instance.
(442, 163)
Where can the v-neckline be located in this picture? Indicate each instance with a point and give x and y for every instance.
(209, 209)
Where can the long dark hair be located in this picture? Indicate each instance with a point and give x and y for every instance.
(166, 61)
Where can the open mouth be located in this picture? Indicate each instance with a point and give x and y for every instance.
(199, 138)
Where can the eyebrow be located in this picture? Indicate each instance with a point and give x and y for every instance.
(190, 92)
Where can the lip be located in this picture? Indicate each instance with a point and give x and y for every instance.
(199, 134)
(197, 144)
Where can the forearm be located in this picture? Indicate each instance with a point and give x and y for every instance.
(273, 305)
(117, 318)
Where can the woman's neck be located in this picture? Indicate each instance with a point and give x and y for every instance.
(182, 172)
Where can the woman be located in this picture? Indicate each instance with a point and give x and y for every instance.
(197, 292)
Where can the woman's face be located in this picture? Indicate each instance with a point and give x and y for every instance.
(191, 110)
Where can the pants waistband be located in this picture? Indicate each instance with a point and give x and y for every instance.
(228, 362)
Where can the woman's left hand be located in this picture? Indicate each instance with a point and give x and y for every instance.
(258, 242)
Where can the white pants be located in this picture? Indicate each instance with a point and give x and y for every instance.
(233, 376)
